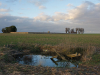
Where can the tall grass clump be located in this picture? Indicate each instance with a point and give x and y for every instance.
(36, 49)
(85, 51)
(8, 58)
(87, 54)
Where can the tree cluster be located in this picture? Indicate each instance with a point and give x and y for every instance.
(78, 30)
(9, 29)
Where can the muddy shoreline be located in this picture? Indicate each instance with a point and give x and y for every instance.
(17, 69)
(8, 65)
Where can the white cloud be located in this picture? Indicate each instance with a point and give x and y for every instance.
(84, 12)
(42, 17)
(29, 25)
(85, 15)
(25, 24)
(5, 10)
(60, 16)
(38, 3)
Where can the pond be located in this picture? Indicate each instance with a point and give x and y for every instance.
(44, 61)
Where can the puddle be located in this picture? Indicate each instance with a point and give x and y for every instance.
(45, 61)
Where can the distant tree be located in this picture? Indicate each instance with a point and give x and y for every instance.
(72, 30)
(67, 30)
(13, 28)
(76, 29)
(48, 31)
(3, 30)
(80, 30)
(9, 29)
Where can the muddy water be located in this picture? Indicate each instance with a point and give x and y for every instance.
(45, 61)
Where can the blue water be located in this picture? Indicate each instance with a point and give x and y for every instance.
(44, 61)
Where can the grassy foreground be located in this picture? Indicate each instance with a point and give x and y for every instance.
(63, 43)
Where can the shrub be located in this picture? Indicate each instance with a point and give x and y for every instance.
(8, 58)
(36, 49)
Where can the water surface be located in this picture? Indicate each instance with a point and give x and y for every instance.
(44, 61)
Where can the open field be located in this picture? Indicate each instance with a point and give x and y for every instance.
(51, 39)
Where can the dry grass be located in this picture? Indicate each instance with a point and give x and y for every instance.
(87, 55)
(19, 32)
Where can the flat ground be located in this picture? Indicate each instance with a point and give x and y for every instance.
(51, 39)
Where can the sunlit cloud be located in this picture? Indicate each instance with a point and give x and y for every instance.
(5, 10)
(42, 17)
(86, 11)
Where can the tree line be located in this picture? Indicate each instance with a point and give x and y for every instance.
(9, 29)
(78, 30)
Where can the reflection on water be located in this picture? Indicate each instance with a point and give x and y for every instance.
(45, 61)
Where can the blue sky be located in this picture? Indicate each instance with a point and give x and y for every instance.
(50, 15)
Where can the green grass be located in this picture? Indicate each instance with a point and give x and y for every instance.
(51, 39)
(95, 59)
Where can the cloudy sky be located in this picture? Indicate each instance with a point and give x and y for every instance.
(50, 15)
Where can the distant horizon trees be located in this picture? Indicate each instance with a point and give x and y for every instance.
(78, 30)
(9, 29)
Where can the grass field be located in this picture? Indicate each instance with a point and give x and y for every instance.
(51, 39)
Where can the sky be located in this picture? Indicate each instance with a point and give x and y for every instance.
(50, 15)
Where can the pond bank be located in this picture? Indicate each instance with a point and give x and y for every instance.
(13, 69)
(8, 65)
